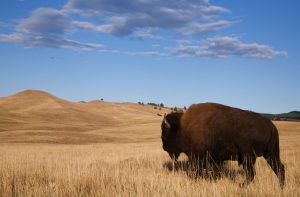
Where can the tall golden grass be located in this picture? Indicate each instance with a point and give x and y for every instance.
(134, 169)
(53, 147)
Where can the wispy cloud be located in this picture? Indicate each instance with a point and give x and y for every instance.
(126, 17)
(202, 28)
(92, 27)
(11, 38)
(48, 41)
(44, 21)
(45, 28)
(183, 20)
(146, 34)
(136, 53)
(227, 46)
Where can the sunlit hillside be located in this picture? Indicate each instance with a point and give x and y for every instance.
(36, 116)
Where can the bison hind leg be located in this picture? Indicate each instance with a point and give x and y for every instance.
(278, 168)
(240, 160)
(248, 163)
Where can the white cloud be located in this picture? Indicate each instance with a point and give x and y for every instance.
(49, 41)
(155, 45)
(201, 28)
(45, 27)
(183, 20)
(146, 34)
(227, 46)
(147, 53)
(126, 17)
(44, 21)
(92, 27)
(11, 38)
(135, 53)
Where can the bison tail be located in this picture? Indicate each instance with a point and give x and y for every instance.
(272, 155)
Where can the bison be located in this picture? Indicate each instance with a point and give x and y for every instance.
(220, 132)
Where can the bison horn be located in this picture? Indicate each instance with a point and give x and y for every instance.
(166, 122)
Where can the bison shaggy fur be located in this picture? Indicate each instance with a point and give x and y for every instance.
(220, 133)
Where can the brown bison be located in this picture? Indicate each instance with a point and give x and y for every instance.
(222, 133)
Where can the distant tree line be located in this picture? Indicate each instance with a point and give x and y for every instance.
(152, 104)
(156, 105)
(161, 105)
(293, 115)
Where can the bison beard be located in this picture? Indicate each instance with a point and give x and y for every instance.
(211, 133)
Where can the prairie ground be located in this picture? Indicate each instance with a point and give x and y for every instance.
(133, 169)
(53, 147)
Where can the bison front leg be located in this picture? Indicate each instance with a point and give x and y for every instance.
(217, 168)
(206, 166)
(248, 166)
(197, 166)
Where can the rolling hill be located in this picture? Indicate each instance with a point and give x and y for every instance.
(293, 115)
(34, 116)
(37, 116)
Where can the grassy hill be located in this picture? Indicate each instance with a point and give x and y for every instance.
(293, 115)
(34, 116)
(37, 116)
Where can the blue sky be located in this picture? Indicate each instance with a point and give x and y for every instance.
(239, 53)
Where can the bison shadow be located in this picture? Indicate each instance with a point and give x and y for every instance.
(227, 171)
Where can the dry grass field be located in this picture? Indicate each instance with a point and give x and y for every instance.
(52, 147)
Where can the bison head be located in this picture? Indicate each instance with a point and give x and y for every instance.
(170, 134)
